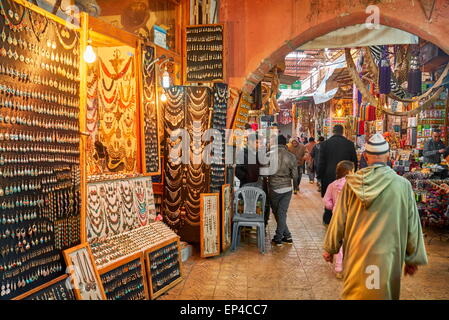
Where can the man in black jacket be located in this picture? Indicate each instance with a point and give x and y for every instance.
(335, 149)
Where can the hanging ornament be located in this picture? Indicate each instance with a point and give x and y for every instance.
(415, 75)
(384, 72)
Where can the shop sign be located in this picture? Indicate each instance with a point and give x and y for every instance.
(160, 37)
(296, 85)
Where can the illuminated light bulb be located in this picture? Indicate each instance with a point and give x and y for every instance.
(89, 54)
(163, 97)
(166, 79)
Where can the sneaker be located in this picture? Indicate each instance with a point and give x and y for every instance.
(277, 243)
(287, 240)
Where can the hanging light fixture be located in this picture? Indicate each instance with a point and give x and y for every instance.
(163, 97)
(89, 53)
(166, 79)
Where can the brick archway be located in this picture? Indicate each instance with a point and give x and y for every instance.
(262, 32)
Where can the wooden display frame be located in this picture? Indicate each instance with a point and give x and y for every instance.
(224, 245)
(119, 263)
(217, 215)
(69, 263)
(184, 53)
(154, 295)
(40, 288)
(142, 111)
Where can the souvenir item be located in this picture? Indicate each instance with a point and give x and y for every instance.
(210, 225)
(204, 53)
(83, 273)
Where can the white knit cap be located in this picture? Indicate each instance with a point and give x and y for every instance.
(377, 145)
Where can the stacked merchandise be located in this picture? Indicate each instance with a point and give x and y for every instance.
(432, 198)
(221, 95)
(39, 148)
(429, 119)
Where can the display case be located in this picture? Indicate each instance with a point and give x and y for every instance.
(163, 267)
(210, 224)
(57, 289)
(125, 279)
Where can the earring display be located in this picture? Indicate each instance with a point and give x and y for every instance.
(83, 275)
(116, 206)
(163, 267)
(39, 147)
(221, 96)
(242, 112)
(152, 160)
(107, 251)
(112, 146)
(125, 280)
(57, 289)
(210, 225)
(205, 53)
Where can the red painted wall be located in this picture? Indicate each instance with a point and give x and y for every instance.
(261, 32)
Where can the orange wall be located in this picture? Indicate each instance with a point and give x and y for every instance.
(261, 32)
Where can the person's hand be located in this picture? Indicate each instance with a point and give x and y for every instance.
(441, 150)
(328, 257)
(410, 270)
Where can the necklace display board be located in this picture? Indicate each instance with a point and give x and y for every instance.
(116, 206)
(126, 279)
(85, 279)
(205, 51)
(221, 96)
(112, 115)
(226, 217)
(210, 225)
(39, 146)
(150, 135)
(189, 108)
(163, 267)
(57, 289)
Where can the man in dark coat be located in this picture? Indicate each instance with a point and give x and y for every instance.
(335, 149)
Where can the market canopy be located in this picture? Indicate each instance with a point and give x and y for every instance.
(360, 36)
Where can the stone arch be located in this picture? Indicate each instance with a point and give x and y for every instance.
(302, 23)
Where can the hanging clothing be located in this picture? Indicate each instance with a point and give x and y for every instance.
(377, 218)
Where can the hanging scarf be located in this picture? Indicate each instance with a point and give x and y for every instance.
(384, 72)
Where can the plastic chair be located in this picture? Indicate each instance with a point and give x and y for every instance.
(249, 217)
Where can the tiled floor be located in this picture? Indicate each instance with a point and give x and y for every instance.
(296, 272)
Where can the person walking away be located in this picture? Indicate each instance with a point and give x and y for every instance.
(434, 148)
(309, 160)
(344, 168)
(248, 171)
(280, 184)
(299, 150)
(335, 149)
(316, 159)
(377, 220)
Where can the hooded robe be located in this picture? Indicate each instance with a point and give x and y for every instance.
(377, 220)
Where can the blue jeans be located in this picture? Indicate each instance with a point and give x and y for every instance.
(279, 203)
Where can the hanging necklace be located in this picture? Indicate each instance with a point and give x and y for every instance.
(61, 41)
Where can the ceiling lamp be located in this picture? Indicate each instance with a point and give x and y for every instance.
(89, 54)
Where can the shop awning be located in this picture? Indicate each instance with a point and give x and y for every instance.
(321, 95)
(360, 36)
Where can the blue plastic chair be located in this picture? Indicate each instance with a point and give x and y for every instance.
(249, 217)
